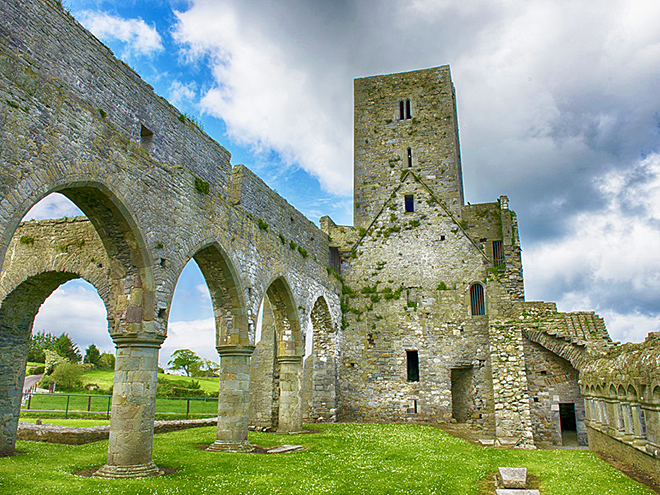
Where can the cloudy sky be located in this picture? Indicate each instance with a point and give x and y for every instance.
(558, 107)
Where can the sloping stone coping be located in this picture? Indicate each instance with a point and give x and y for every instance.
(79, 436)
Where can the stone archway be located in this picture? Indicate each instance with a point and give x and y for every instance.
(233, 346)
(324, 388)
(132, 325)
(289, 354)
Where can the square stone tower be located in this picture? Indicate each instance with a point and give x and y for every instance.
(405, 121)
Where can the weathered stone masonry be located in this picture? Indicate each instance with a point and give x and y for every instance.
(73, 121)
(416, 314)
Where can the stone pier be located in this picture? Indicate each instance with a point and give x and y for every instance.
(233, 400)
(133, 408)
(290, 413)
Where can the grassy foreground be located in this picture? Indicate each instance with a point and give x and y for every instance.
(343, 459)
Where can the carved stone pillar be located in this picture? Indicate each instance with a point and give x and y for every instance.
(133, 408)
(233, 400)
(290, 413)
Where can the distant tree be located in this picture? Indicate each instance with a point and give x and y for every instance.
(185, 360)
(68, 375)
(40, 341)
(92, 355)
(67, 348)
(52, 360)
(107, 361)
(209, 368)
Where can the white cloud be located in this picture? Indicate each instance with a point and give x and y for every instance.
(53, 206)
(608, 260)
(180, 93)
(138, 36)
(196, 335)
(267, 96)
(76, 308)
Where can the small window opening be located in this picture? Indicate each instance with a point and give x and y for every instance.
(163, 262)
(442, 237)
(544, 372)
(410, 203)
(408, 114)
(412, 359)
(146, 138)
(477, 300)
(162, 313)
(409, 157)
(334, 260)
(402, 114)
(498, 253)
(412, 406)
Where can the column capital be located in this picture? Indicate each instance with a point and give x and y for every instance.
(154, 341)
(289, 359)
(235, 350)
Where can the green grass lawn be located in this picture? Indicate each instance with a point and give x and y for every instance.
(105, 380)
(343, 459)
(177, 407)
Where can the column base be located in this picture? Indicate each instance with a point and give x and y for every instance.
(134, 471)
(287, 432)
(219, 446)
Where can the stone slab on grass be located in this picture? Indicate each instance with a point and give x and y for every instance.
(512, 477)
(285, 448)
(513, 491)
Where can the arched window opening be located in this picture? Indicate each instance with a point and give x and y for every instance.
(409, 157)
(402, 114)
(408, 113)
(477, 300)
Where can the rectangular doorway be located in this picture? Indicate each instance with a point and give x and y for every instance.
(568, 424)
(462, 394)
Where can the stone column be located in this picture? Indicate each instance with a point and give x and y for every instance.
(13, 356)
(133, 408)
(234, 399)
(290, 413)
(639, 435)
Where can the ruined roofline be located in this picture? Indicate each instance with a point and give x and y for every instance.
(438, 68)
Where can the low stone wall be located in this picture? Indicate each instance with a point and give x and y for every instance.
(602, 442)
(79, 436)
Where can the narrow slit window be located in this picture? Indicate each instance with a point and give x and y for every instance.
(412, 359)
(498, 253)
(477, 300)
(409, 157)
(334, 260)
(146, 138)
(408, 114)
(410, 203)
(402, 114)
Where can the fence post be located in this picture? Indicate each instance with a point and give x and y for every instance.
(89, 404)
(187, 407)
(66, 413)
(29, 400)
(107, 413)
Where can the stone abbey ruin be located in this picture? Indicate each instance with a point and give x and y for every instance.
(417, 313)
